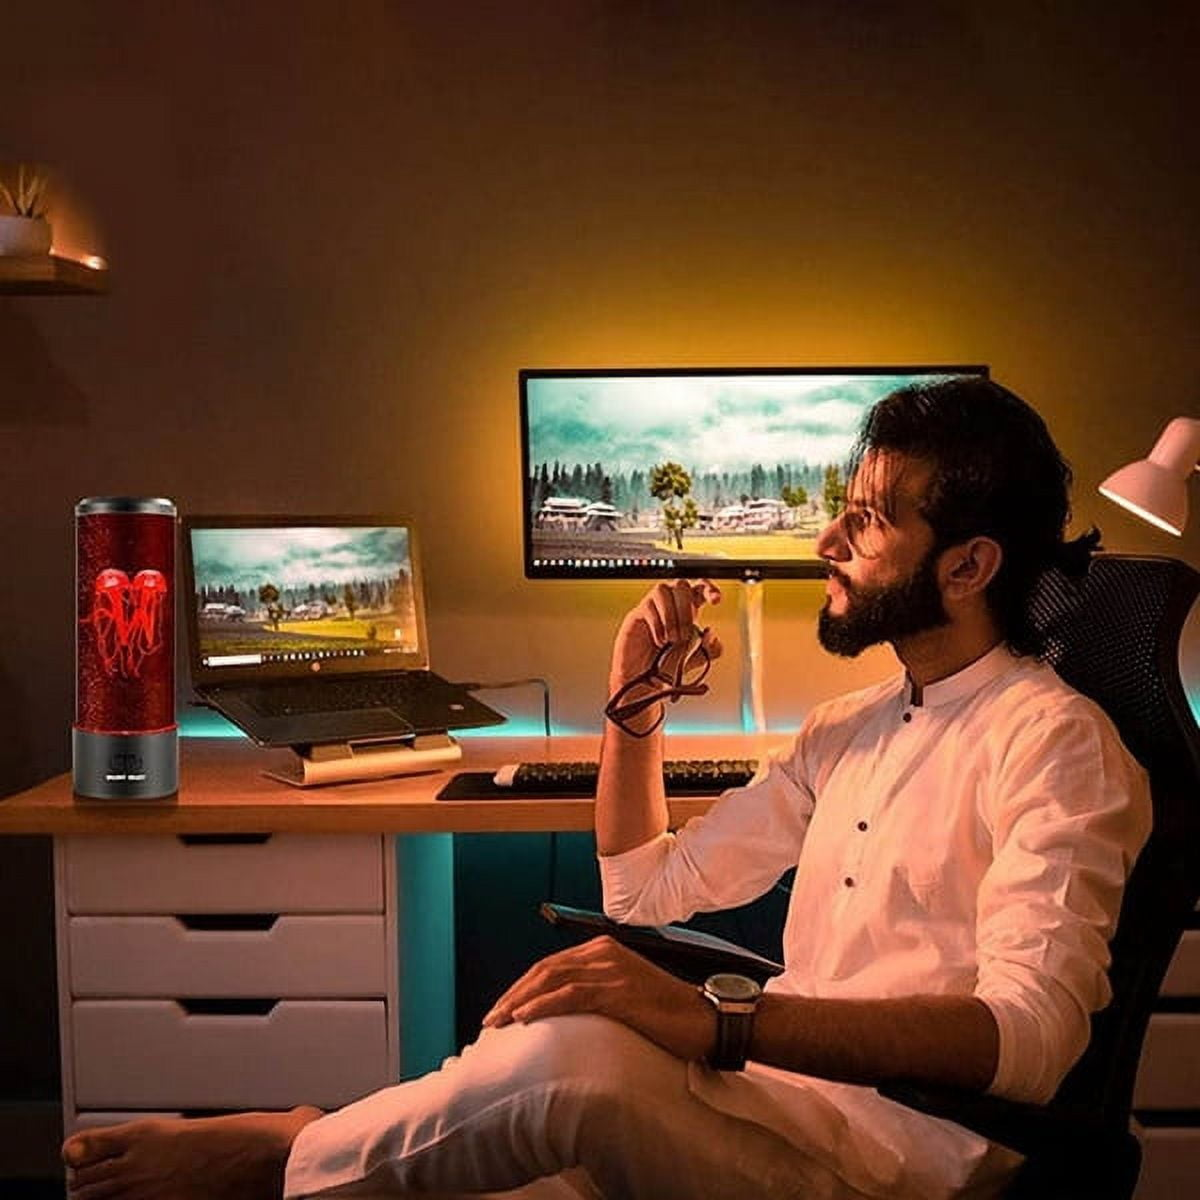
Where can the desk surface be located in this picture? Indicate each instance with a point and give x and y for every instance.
(223, 790)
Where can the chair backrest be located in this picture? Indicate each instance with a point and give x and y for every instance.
(1114, 635)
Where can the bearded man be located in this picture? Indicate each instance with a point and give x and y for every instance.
(961, 836)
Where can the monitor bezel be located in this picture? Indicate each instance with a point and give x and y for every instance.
(219, 676)
(746, 569)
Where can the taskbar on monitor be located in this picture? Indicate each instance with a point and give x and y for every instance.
(251, 660)
(623, 567)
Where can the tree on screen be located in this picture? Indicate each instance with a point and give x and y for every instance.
(542, 490)
(268, 595)
(835, 491)
(793, 497)
(669, 482)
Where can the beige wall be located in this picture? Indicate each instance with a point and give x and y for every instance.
(338, 230)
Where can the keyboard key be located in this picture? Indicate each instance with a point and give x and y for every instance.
(344, 695)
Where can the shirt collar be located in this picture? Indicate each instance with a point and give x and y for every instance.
(966, 682)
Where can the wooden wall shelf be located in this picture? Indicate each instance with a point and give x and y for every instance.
(47, 274)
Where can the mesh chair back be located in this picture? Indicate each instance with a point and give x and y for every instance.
(1114, 635)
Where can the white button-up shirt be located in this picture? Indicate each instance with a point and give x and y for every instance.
(975, 844)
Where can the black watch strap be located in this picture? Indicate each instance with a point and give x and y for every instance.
(735, 998)
(733, 1040)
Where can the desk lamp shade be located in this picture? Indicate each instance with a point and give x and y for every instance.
(125, 736)
(1156, 487)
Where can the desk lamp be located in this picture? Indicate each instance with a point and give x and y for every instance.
(1155, 488)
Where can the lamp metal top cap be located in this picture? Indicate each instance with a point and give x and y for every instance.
(125, 504)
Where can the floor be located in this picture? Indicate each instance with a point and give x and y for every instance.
(31, 1189)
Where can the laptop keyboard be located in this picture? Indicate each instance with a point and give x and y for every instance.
(344, 695)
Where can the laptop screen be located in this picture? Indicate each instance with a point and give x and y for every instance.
(275, 597)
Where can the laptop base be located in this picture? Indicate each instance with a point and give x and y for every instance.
(344, 762)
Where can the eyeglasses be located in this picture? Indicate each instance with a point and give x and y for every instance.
(863, 530)
(678, 670)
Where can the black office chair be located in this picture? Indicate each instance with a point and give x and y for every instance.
(1113, 635)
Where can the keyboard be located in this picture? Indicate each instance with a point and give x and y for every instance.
(681, 777)
(345, 695)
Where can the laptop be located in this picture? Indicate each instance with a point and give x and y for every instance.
(310, 630)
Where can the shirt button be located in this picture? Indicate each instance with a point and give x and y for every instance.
(848, 881)
(862, 825)
(907, 717)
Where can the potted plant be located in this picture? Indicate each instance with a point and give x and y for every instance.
(24, 229)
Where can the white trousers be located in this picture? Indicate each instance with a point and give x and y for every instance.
(566, 1107)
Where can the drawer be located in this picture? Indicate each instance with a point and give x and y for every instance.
(1169, 1072)
(1170, 1164)
(154, 1054)
(1183, 975)
(343, 957)
(279, 873)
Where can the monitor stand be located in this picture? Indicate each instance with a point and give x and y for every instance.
(754, 709)
(343, 762)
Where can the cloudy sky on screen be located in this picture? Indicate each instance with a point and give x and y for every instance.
(244, 558)
(706, 423)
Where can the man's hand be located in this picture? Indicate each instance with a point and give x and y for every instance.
(631, 806)
(666, 615)
(602, 976)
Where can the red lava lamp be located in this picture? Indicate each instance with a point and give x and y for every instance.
(125, 740)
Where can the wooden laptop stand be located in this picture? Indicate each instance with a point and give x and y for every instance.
(342, 762)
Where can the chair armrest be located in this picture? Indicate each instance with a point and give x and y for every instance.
(688, 953)
(1030, 1129)
(1069, 1154)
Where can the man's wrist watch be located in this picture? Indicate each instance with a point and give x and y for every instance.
(735, 997)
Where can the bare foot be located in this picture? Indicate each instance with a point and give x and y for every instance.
(238, 1157)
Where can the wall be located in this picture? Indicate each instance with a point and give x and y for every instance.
(337, 231)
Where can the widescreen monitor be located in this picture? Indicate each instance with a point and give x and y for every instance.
(722, 472)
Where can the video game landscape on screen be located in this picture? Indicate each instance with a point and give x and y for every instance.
(277, 592)
(628, 470)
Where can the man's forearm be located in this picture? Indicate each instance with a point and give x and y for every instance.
(949, 1040)
(631, 806)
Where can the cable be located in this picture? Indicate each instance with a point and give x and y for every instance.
(498, 685)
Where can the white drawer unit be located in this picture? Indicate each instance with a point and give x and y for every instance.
(225, 972)
(281, 872)
(216, 955)
(1183, 975)
(1170, 1163)
(139, 1054)
(1166, 1098)
(1169, 1073)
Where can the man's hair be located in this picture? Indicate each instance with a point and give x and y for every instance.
(996, 473)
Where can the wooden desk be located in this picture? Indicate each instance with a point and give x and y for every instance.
(223, 790)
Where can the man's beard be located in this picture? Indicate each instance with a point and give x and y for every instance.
(884, 614)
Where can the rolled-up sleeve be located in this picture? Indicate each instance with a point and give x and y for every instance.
(1069, 812)
(729, 856)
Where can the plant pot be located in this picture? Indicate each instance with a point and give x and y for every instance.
(24, 235)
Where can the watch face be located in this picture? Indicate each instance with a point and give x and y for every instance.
(732, 987)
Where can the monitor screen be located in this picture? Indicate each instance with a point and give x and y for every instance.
(729, 473)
